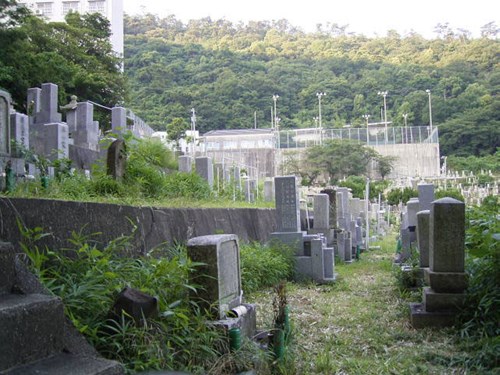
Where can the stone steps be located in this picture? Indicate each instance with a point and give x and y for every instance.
(31, 327)
(35, 336)
(64, 364)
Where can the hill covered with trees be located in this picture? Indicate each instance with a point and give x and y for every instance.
(229, 73)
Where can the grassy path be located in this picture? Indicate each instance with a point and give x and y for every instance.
(360, 325)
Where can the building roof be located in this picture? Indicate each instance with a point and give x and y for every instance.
(238, 132)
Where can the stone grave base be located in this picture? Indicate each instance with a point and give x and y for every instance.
(434, 301)
(419, 318)
(244, 318)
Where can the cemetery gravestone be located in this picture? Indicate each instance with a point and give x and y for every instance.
(445, 276)
(117, 159)
(205, 169)
(4, 123)
(185, 163)
(219, 274)
(287, 204)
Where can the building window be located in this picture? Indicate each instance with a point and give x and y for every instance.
(69, 6)
(97, 6)
(45, 9)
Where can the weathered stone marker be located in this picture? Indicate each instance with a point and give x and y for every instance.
(219, 276)
(445, 275)
(117, 159)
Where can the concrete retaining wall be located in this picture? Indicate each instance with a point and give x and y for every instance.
(154, 225)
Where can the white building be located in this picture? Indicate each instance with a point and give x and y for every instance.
(56, 10)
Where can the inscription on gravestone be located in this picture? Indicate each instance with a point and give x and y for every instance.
(287, 204)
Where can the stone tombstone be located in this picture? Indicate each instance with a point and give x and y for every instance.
(56, 140)
(34, 102)
(447, 236)
(117, 159)
(268, 190)
(185, 163)
(19, 131)
(425, 196)
(413, 206)
(219, 275)
(205, 169)
(248, 190)
(341, 237)
(118, 120)
(87, 130)
(137, 305)
(287, 204)
(5, 102)
(332, 199)
(48, 108)
(423, 218)
(321, 211)
(348, 248)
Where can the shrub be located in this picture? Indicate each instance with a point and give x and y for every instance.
(187, 185)
(451, 193)
(265, 266)
(88, 283)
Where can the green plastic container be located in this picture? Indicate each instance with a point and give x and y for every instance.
(234, 339)
(279, 344)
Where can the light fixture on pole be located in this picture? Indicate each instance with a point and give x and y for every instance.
(193, 129)
(405, 116)
(320, 95)
(384, 95)
(367, 117)
(275, 99)
(430, 110)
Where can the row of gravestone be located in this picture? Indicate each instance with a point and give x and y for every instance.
(43, 132)
(218, 174)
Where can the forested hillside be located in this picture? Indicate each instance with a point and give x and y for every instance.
(229, 73)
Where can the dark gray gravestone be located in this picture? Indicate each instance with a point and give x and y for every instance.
(136, 304)
(117, 159)
(287, 204)
(5, 102)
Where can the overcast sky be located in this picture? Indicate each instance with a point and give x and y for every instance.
(368, 17)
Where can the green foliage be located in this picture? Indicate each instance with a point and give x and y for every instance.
(482, 309)
(187, 185)
(229, 71)
(75, 55)
(265, 266)
(475, 164)
(396, 196)
(450, 193)
(88, 278)
(357, 184)
(336, 159)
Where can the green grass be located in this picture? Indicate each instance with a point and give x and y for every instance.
(360, 325)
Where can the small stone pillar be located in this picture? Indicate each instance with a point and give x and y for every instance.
(423, 218)
(205, 169)
(185, 163)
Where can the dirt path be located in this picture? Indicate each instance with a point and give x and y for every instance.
(360, 325)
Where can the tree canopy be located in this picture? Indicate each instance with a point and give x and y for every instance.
(76, 55)
(229, 72)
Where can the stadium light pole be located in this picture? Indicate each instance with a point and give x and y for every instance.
(367, 117)
(320, 95)
(430, 110)
(384, 95)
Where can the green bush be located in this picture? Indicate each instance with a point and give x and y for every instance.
(88, 282)
(396, 196)
(450, 193)
(264, 266)
(482, 309)
(187, 185)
